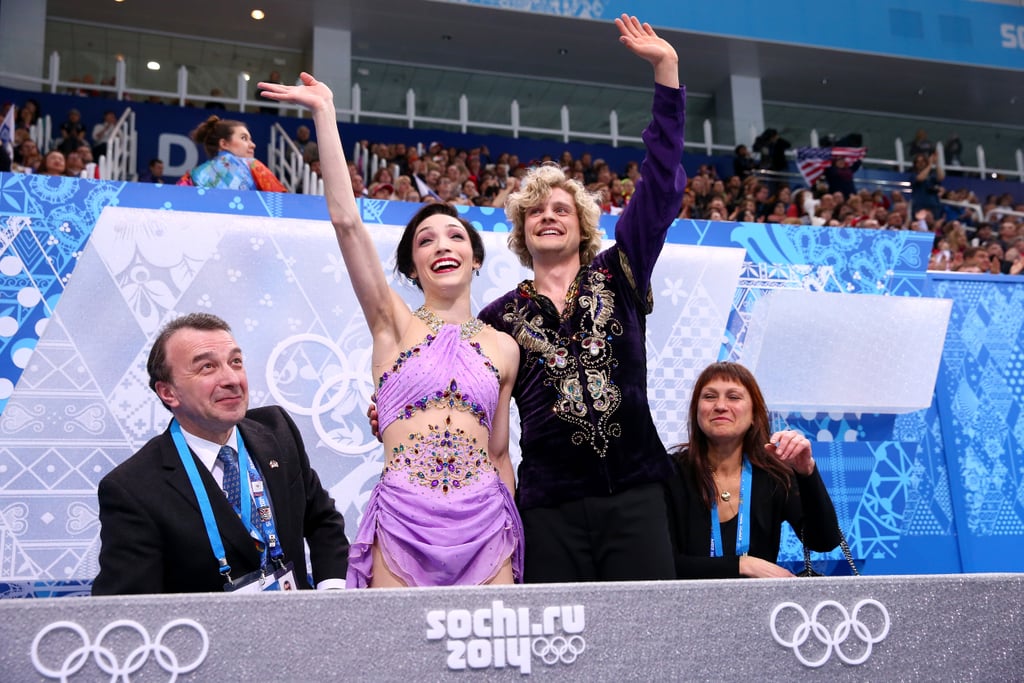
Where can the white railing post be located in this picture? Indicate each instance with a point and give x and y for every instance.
(243, 86)
(940, 157)
(565, 123)
(464, 113)
(981, 161)
(133, 157)
(101, 165)
(901, 162)
(514, 116)
(357, 102)
(54, 70)
(613, 127)
(707, 136)
(182, 84)
(120, 78)
(410, 107)
(815, 140)
(1019, 156)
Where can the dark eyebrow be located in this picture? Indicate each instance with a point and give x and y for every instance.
(453, 224)
(209, 355)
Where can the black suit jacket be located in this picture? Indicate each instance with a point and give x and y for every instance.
(807, 507)
(152, 535)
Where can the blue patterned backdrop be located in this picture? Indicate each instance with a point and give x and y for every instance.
(936, 490)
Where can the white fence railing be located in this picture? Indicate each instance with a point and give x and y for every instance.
(513, 128)
(121, 159)
(287, 163)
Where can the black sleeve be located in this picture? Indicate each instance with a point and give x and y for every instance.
(809, 510)
(131, 551)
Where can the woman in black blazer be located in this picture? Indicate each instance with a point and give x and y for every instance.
(737, 483)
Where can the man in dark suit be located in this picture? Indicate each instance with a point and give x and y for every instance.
(153, 535)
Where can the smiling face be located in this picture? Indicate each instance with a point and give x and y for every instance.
(442, 253)
(208, 391)
(240, 143)
(552, 228)
(724, 411)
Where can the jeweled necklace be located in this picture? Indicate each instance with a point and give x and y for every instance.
(466, 330)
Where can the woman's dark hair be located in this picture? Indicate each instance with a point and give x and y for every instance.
(210, 132)
(403, 254)
(695, 454)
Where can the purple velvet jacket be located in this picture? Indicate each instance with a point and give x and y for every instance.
(586, 426)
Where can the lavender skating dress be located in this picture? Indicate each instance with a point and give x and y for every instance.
(440, 513)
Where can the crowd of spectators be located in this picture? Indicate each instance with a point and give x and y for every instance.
(70, 155)
(476, 177)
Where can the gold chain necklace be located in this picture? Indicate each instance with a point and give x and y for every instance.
(466, 330)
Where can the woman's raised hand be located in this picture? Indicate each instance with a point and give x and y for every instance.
(794, 449)
(312, 94)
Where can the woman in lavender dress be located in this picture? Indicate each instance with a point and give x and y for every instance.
(443, 512)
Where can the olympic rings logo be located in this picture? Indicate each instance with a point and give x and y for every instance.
(832, 640)
(558, 648)
(107, 661)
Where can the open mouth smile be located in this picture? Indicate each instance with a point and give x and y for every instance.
(444, 265)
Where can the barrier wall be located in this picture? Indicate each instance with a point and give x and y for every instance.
(960, 628)
(923, 482)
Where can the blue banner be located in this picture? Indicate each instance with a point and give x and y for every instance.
(957, 31)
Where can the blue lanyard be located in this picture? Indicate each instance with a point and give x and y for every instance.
(212, 532)
(267, 530)
(253, 484)
(743, 516)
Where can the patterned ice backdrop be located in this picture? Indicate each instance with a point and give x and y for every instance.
(89, 271)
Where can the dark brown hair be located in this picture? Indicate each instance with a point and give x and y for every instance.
(156, 366)
(403, 254)
(694, 455)
(210, 132)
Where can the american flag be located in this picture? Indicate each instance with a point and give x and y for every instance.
(812, 161)
(7, 131)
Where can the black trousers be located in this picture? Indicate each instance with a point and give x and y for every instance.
(621, 537)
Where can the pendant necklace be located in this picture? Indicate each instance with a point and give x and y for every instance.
(724, 495)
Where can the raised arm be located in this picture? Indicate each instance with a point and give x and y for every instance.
(383, 308)
(641, 39)
(641, 230)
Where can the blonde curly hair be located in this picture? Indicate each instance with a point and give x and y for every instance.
(535, 188)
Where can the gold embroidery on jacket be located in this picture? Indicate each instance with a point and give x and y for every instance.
(581, 379)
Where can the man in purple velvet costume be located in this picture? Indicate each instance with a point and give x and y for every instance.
(590, 482)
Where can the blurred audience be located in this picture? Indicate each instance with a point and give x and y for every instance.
(154, 172)
(72, 132)
(475, 177)
(102, 132)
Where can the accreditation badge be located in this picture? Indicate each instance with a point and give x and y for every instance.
(283, 579)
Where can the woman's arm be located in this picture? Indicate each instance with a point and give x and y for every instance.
(384, 310)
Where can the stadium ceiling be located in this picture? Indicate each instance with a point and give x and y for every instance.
(501, 41)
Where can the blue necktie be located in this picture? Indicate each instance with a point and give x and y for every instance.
(232, 484)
